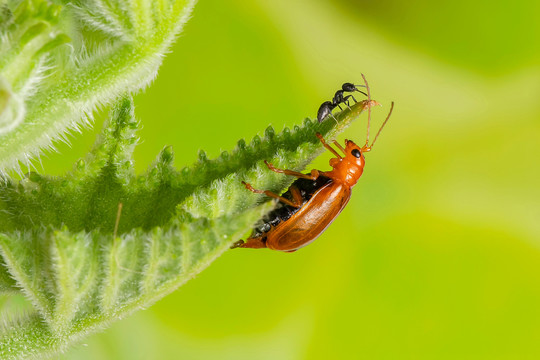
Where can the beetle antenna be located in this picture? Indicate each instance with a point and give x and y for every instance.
(369, 109)
(382, 126)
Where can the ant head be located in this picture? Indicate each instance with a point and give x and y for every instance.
(349, 87)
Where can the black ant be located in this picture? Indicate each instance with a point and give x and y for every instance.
(326, 107)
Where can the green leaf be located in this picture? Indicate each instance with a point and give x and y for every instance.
(58, 63)
(99, 243)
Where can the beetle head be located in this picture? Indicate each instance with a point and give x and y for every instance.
(349, 168)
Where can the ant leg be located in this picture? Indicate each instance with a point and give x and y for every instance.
(331, 149)
(353, 98)
(340, 108)
(313, 176)
(346, 101)
(333, 117)
(270, 194)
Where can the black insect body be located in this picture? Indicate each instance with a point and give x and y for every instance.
(339, 98)
(325, 110)
(326, 107)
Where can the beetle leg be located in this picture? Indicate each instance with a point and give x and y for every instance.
(339, 146)
(331, 149)
(252, 243)
(297, 195)
(270, 194)
(313, 176)
(237, 244)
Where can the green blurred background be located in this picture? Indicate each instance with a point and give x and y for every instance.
(437, 256)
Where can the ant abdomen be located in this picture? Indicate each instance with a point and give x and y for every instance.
(324, 110)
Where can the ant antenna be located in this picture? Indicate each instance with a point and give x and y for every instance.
(369, 109)
(382, 126)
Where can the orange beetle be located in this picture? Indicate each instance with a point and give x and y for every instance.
(314, 200)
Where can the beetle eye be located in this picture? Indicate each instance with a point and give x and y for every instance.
(356, 153)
